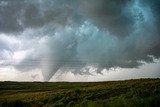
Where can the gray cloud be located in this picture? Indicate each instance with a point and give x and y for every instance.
(108, 14)
(17, 15)
(59, 34)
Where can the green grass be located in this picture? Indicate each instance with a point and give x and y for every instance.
(129, 93)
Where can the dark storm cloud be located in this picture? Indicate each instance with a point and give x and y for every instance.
(108, 14)
(59, 34)
(17, 15)
(155, 6)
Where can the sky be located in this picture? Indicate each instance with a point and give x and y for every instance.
(79, 40)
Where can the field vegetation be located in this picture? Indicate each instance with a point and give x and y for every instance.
(128, 93)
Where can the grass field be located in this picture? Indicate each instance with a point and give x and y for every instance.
(129, 93)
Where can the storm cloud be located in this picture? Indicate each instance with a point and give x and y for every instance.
(71, 35)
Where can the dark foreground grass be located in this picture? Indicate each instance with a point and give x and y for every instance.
(129, 93)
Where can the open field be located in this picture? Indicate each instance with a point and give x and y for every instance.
(129, 93)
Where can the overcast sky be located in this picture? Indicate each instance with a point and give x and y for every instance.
(79, 40)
